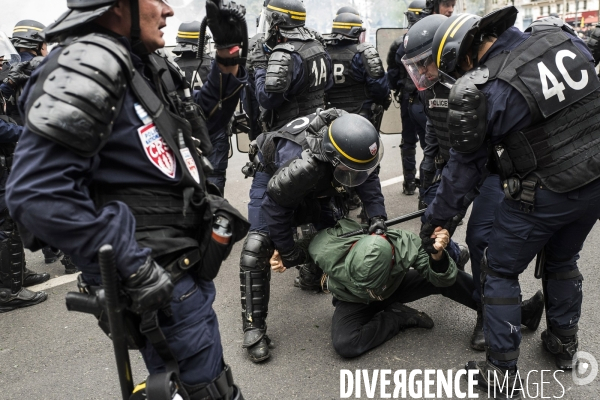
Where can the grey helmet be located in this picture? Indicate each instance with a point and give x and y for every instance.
(347, 9)
(347, 24)
(80, 13)
(187, 37)
(28, 34)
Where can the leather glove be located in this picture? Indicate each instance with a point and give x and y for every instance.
(377, 225)
(257, 58)
(150, 288)
(18, 75)
(224, 20)
(452, 224)
(295, 257)
(426, 240)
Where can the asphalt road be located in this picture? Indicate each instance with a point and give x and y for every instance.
(49, 353)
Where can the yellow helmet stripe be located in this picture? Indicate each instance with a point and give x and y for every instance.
(344, 154)
(24, 28)
(286, 11)
(460, 20)
(298, 18)
(188, 34)
(344, 25)
(415, 9)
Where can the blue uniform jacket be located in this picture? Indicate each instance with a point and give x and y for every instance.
(9, 133)
(6, 90)
(48, 188)
(507, 112)
(377, 88)
(280, 219)
(271, 101)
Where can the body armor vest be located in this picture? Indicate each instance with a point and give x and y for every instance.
(436, 108)
(562, 145)
(346, 94)
(189, 65)
(312, 96)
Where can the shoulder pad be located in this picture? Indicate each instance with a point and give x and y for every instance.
(478, 76)
(549, 23)
(279, 72)
(467, 116)
(292, 183)
(284, 47)
(371, 60)
(79, 94)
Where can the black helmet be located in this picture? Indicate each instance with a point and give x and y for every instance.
(353, 147)
(286, 14)
(80, 12)
(347, 9)
(28, 34)
(416, 10)
(347, 24)
(462, 34)
(419, 59)
(187, 37)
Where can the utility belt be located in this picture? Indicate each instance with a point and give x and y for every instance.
(515, 187)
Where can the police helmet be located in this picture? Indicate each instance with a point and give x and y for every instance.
(347, 24)
(28, 34)
(416, 10)
(347, 9)
(187, 37)
(286, 14)
(419, 59)
(353, 147)
(80, 13)
(461, 35)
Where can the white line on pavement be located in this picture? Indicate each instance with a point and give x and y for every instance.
(392, 181)
(61, 280)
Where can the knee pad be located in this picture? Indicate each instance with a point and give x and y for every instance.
(257, 251)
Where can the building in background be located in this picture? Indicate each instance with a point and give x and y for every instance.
(581, 14)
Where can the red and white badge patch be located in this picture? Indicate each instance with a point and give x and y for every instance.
(373, 149)
(157, 150)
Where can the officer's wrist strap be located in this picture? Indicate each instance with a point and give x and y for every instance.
(229, 62)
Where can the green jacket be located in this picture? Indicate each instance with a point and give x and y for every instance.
(329, 252)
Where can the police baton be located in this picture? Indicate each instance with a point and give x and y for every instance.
(114, 311)
(389, 222)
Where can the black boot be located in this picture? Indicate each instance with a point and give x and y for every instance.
(309, 277)
(51, 255)
(67, 262)
(463, 257)
(31, 278)
(409, 186)
(478, 339)
(494, 380)
(409, 317)
(563, 345)
(532, 311)
(23, 298)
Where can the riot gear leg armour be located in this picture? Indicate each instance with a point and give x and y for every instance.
(408, 168)
(255, 277)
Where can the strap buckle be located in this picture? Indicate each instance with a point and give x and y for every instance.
(528, 195)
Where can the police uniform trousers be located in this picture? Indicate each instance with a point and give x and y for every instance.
(559, 224)
(480, 225)
(413, 131)
(219, 159)
(357, 328)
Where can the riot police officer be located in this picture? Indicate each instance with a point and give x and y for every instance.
(186, 51)
(298, 71)
(360, 85)
(303, 170)
(122, 168)
(487, 195)
(411, 109)
(538, 124)
(443, 7)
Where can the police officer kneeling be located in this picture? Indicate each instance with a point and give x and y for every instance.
(301, 178)
(530, 99)
(111, 122)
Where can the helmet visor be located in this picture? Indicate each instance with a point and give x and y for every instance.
(422, 70)
(352, 177)
(8, 51)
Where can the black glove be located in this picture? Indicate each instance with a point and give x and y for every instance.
(257, 58)
(150, 288)
(18, 75)
(224, 20)
(426, 240)
(296, 256)
(452, 224)
(377, 225)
